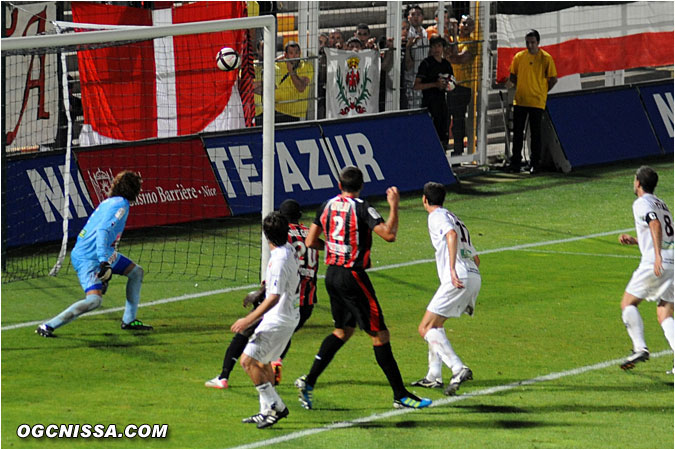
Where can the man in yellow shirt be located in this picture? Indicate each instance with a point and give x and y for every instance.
(462, 54)
(534, 74)
(293, 77)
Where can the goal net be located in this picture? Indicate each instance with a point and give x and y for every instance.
(87, 99)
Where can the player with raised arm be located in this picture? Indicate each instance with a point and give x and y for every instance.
(95, 257)
(280, 315)
(347, 223)
(653, 279)
(309, 267)
(457, 265)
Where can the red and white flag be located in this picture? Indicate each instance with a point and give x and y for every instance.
(585, 39)
(162, 88)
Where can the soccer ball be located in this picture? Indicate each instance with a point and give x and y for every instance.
(228, 59)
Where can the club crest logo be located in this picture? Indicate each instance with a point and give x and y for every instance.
(101, 181)
(352, 87)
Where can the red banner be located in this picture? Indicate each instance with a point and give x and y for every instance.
(178, 181)
(599, 55)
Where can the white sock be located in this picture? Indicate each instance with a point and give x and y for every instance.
(439, 342)
(668, 330)
(269, 398)
(633, 320)
(435, 365)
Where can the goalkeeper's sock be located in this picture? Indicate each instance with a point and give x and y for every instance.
(232, 354)
(91, 302)
(329, 347)
(134, 282)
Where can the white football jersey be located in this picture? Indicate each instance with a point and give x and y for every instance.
(441, 221)
(282, 278)
(650, 206)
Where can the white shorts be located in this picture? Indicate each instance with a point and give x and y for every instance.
(645, 285)
(267, 345)
(448, 301)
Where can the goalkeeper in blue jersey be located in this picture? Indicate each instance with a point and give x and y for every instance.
(95, 257)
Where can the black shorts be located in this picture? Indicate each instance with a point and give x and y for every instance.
(353, 300)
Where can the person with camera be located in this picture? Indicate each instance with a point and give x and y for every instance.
(435, 78)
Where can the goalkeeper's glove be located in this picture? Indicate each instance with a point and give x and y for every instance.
(104, 272)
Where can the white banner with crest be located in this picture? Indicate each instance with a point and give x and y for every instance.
(352, 82)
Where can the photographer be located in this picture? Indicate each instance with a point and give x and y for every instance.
(434, 80)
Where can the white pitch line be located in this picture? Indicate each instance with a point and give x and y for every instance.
(444, 401)
(602, 255)
(376, 269)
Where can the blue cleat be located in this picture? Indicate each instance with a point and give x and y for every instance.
(305, 392)
(411, 401)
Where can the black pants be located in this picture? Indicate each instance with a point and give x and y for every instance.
(520, 116)
(438, 108)
(458, 101)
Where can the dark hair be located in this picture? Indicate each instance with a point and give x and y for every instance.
(534, 34)
(291, 44)
(275, 227)
(435, 193)
(290, 209)
(351, 179)
(363, 26)
(126, 184)
(436, 40)
(415, 7)
(648, 178)
(354, 39)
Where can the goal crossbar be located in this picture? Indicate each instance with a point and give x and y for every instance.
(267, 23)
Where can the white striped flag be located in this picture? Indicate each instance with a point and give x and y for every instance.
(162, 88)
(595, 38)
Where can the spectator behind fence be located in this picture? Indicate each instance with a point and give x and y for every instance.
(354, 44)
(418, 47)
(462, 57)
(432, 30)
(335, 39)
(363, 34)
(405, 49)
(534, 74)
(293, 77)
(324, 41)
(432, 79)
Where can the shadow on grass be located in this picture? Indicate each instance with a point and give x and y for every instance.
(448, 423)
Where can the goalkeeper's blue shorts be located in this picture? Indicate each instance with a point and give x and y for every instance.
(87, 269)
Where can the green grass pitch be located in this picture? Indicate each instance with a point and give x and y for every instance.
(542, 344)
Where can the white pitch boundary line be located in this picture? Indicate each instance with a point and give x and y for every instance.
(376, 269)
(602, 255)
(444, 401)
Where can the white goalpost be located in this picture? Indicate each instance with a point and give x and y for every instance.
(52, 43)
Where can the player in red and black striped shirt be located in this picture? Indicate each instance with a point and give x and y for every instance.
(309, 267)
(348, 223)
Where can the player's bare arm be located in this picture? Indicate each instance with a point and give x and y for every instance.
(387, 230)
(657, 236)
(627, 239)
(476, 259)
(451, 238)
(242, 324)
(312, 240)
